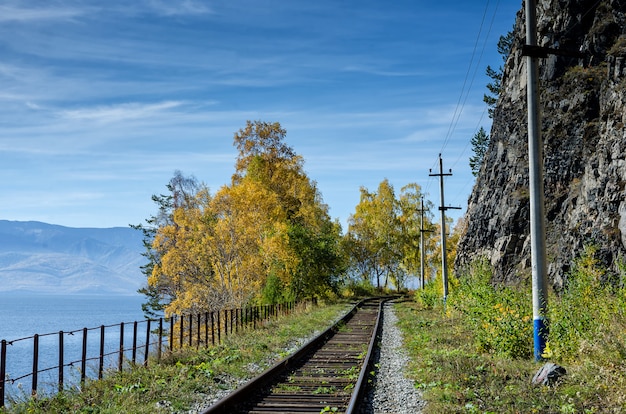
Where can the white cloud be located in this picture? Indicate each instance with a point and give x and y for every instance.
(21, 14)
(120, 112)
(377, 71)
(179, 8)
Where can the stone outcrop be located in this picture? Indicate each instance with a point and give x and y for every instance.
(583, 111)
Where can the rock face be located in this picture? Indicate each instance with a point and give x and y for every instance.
(583, 104)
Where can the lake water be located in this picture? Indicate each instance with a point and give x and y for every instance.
(22, 316)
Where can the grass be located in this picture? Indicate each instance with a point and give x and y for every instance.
(187, 376)
(472, 359)
(454, 376)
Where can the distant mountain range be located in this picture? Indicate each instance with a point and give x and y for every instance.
(44, 258)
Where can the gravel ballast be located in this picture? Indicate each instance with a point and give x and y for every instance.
(391, 391)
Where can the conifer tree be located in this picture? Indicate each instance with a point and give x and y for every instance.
(480, 142)
(505, 44)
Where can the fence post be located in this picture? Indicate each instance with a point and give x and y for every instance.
(182, 325)
(206, 329)
(160, 341)
(101, 364)
(145, 355)
(198, 326)
(190, 330)
(120, 359)
(172, 333)
(230, 321)
(61, 361)
(219, 339)
(3, 360)
(83, 360)
(225, 323)
(237, 320)
(35, 364)
(134, 342)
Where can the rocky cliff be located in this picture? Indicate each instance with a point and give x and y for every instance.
(583, 104)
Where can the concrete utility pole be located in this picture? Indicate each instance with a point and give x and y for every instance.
(537, 209)
(442, 208)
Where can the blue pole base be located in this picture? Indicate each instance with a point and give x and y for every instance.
(540, 331)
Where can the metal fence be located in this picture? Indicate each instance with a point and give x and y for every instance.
(66, 356)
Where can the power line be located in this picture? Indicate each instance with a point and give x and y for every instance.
(459, 106)
(467, 144)
(476, 67)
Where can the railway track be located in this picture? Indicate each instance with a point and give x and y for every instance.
(328, 374)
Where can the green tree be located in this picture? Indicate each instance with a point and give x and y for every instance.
(266, 236)
(480, 143)
(505, 44)
(374, 229)
(313, 239)
(410, 205)
(181, 193)
(384, 235)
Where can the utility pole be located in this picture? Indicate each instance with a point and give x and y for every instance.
(533, 52)
(422, 245)
(443, 208)
(422, 248)
(535, 170)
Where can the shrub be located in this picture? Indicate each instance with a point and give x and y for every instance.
(589, 315)
(499, 316)
(358, 288)
(429, 297)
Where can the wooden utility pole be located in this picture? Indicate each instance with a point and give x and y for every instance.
(422, 248)
(443, 208)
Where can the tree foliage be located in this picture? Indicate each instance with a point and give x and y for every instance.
(480, 142)
(383, 235)
(181, 191)
(505, 44)
(266, 236)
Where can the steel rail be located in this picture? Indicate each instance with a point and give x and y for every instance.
(359, 388)
(241, 397)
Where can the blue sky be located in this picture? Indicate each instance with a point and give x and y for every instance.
(101, 102)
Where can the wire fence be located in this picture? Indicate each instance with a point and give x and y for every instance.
(65, 359)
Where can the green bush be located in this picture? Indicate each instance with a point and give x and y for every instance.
(499, 316)
(429, 297)
(589, 315)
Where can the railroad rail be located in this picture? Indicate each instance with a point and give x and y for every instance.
(328, 374)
